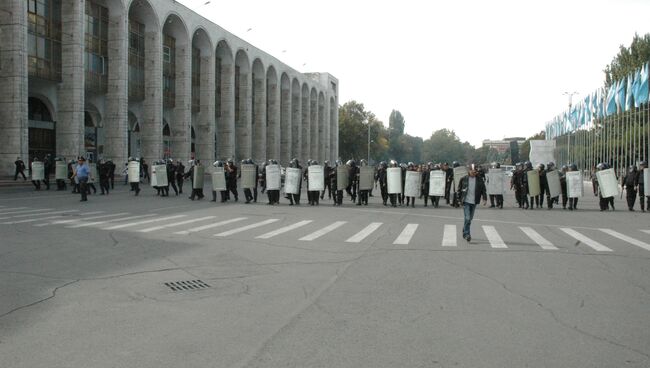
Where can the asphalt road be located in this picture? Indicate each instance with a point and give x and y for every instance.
(84, 284)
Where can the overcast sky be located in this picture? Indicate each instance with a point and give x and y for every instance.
(486, 69)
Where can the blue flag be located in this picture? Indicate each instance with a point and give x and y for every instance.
(643, 85)
(610, 101)
(628, 94)
(635, 87)
(620, 95)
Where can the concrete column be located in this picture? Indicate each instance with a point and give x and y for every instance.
(117, 96)
(153, 104)
(182, 113)
(243, 126)
(13, 84)
(273, 130)
(306, 135)
(70, 124)
(259, 125)
(226, 123)
(285, 122)
(313, 122)
(296, 125)
(324, 124)
(334, 129)
(205, 126)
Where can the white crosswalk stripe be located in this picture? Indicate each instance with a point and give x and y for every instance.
(44, 213)
(449, 236)
(283, 230)
(21, 212)
(122, 226)
(589, 242)
(534, 236)
(406, 235)
(493, 237)
(626, 238)
(95, 223)
(5, 210)
(150, 229)
(646, 231)
(210, 226)
(57, 214)
(87, 218)
(358, 237)
(317, 234)
(247, 227)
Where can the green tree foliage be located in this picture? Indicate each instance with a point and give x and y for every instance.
(628, 59)
(353, 133)
(443, 146)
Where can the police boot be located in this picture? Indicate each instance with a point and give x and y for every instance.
(214, 196)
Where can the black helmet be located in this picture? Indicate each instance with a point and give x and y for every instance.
(643, 163)
(273, 162)
(436, 167)
(339, 162)
(363, 162)
(218, 163)
(312, 162)
(550, 166)
(564, 168)
(528, 165)
(393, 163)
(327, 162)
(573, 167)
(455, 164)
(383, 164)
(631, 168)
(540, 166)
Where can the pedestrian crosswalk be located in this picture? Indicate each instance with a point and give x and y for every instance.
(500, 236)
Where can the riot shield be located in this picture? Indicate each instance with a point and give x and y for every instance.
(533, 183)
(496, 180)
(160, 173)
(248, 176)
(38, 170)
(574, 186)
(394, 180)
(412, 184)
(93, 174)
(553, 179)
(60, 170)
(199, 172)
(342, 177)
(366, 177)
(437, 180)
(646, 183)
(134, 172)
(459, 173)
(315, 178)
(607, 183)
(273, 177)
(218, 179)
(292, 178)
(154, 179)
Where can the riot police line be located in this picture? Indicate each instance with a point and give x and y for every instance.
(398, 184)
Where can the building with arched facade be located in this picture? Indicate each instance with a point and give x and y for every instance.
(151, 79)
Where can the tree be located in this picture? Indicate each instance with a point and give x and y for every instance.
(628, 59)
(353, 133)
(395, 131)
(443, 146)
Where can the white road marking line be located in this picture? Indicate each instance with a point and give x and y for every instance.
(540, 240)
(210, 226)
(12, 209)
(358, 237)
(283, 229)
(45, 213)
(493, 237)
(626, 238)
(591, 243)
(646, 231)
(247, 227)
(86, 218)
(317, 234)
(122, 226)
(59, 214)
(449, 236)
(406, 235)
(150, 229)
(85, 224)
(21, 212)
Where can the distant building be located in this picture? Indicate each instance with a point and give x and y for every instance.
(502, 145)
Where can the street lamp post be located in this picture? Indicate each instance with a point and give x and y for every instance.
(568, 140)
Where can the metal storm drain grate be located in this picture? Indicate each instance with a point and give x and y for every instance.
(187, 285)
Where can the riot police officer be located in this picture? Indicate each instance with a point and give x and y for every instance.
(563, 187)
(231, 178)
(135, 182)
(60, 183)
(393, 197)
(640, 184)
(104, 176)
(573, 202)
(251, 193)
(222, 193)
(630, 183)
(498, 198)
(351, 188)
(435, 200)
(180, 175)
(382, 179)
(338, 194)
(295, 198)
(171, 175)
(409, 167)
(550, 200)
(362, 194)
(312, 195)
(196, 192)
(273, 194)
(604, 203)
(327, 169)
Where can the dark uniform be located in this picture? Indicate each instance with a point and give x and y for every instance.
(362, 194)
(641, 182)
(180, 175)
(381, 179)
(327, 169)
(20, 169)
(563, 187)
(295, 198)
(573, 202)
(171, 175)
(393, 197)
(338, 194)
(222, 193)
(231, 179)
(630, 182)
(351, 188)
(135, 184)
(103, 169)
(272, 194)
(312, 195)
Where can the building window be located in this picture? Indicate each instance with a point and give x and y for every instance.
(169, 71)
(96, 52)
(136, 60)
(44, 39)
(196, 80)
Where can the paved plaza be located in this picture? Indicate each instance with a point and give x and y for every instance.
(125, 281)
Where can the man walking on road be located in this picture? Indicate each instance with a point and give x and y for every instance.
(471, 190)
(82, 172)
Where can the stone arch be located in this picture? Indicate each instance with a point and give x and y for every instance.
(243, 86)
(273, 127)
(323, 132)
(313, 123)
(305, 122)
(285, 119)
(224, 101)
(41, 134)
(144, 19)
(296, 119)
(258, 109)
(203, 119)
(176, 85)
